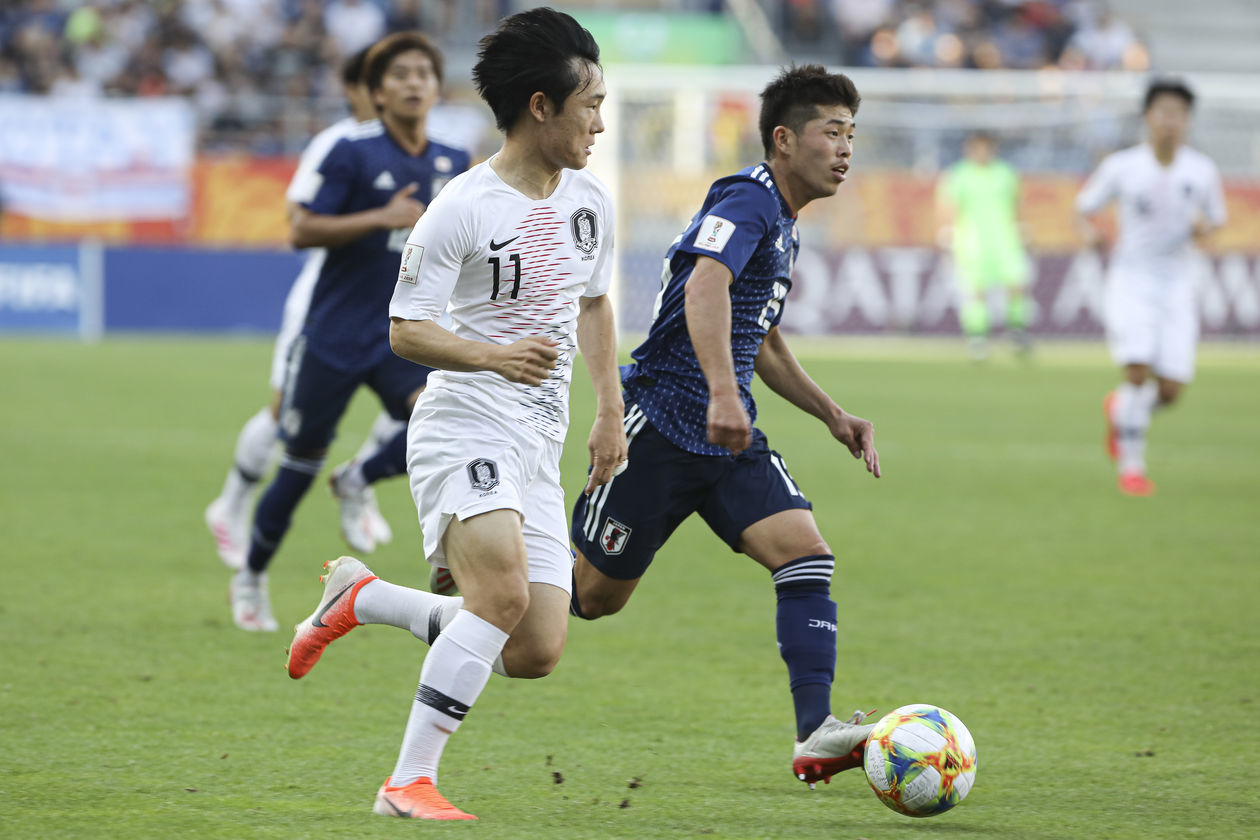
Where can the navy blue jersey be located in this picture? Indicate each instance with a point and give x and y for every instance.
(747, 226)
(347, 326)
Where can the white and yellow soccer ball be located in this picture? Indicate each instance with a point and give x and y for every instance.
(920, 760)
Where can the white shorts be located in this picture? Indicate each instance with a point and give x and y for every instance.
(463, 460)
(296, 305)
(1152, 321)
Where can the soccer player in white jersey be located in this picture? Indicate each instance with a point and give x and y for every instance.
(228, 516)
(1170, 199)
(519, 251)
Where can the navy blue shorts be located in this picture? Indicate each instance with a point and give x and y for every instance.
(620, 526)
(316, 395)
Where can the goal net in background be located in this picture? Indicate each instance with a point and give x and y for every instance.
(868, 261)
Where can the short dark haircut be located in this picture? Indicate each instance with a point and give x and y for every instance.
(1173, 86)
(390, 47)
(536, 50)
(352, 68)
(795, 95)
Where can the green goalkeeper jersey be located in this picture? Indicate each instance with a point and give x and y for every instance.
(986, 198)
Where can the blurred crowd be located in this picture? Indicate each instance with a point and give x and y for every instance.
(984, 34)
(235, 59)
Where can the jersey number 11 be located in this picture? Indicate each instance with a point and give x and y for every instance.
(515, 260)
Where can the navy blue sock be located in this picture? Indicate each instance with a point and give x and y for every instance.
(390, 460)
(275, 509)
(806, 627)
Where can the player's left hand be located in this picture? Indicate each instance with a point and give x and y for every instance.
(859, 436)
(607, 447)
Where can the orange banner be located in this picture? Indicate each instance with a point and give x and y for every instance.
(239, 200)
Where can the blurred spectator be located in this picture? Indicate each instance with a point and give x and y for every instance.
(354, 24)
(261, 71)
(1104, 42)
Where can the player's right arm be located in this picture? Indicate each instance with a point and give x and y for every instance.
(317, 230)
(1101, 188)
(318, 220)
(707, 301)
(432, 261)
(528, 361)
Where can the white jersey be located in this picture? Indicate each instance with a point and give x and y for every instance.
(1158, 205)
(506, 267)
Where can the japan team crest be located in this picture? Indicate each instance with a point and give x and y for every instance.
(585, 231)
(614, 536)
(483, 473)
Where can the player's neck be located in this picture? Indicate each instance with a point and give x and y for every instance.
(1165, 153)
(525, 170)
(793, 193)
(409, 134)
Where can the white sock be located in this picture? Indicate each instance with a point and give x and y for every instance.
(351, 480)
(384, 427)
(1132, 416)
(422, 613)
(255, 449)
(453, 676)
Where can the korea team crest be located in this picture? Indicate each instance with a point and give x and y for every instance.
(483, 473)
(585, 231)
(614, 536)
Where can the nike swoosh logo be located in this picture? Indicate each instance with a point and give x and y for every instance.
(495, 246)
(319, 615)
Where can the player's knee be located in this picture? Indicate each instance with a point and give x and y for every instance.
(306, 453)
(504, 604)
(596, 604)
(533, 660)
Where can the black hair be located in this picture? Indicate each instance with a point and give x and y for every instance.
(795, 95)
(352, 68)
(1173, 86)
(536, 50)
(390, 47)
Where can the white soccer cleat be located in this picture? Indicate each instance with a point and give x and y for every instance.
(230, 530)
(835, 746)
(377, 526)
(356, 529)
(251, 606)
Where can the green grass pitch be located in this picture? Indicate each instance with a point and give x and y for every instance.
(1104, 651)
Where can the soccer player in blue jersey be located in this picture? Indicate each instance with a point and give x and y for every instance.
(228, 516)
(689, 411)
(362, 203)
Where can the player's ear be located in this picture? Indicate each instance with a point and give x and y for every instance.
(540, 106)
(784, 140)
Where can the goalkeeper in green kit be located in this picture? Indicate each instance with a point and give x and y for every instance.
(977, 204)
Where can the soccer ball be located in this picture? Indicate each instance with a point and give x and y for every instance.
(920, 760)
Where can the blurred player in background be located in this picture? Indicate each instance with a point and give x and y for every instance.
(520, 250)
(1170, 199)
(359, 204)
(689, 408)
(977, 203)
(228, 516)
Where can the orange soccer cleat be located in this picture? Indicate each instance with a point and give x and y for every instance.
(419, 800)
(333, 618)
(1136, 484)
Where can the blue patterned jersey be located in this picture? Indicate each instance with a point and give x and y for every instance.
(747, 226)
(347, 326)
